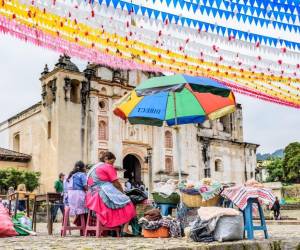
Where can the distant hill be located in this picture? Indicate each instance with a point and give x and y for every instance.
(277, 154)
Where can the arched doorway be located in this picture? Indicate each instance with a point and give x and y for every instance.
(132, 167)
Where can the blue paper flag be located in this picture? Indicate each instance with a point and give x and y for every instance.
(176, 18)
(227, 14)
(135, 8)
(163, 16)
(149, 12)
(128, 6)
(181, 2)
(195, 7)
(170, 17)
(115, 3)
(188, 5)
(214, 11)
(156, 13)
(188, 21)
(202, 9)
(218, 2)
(175, 3)
(143, 9)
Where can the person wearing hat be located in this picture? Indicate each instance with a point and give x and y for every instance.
(59, 188)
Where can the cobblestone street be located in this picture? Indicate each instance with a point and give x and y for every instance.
(290, 234)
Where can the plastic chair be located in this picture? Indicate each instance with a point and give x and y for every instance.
(66, 223)
(166, 209)
(249, 228)
(98, 228)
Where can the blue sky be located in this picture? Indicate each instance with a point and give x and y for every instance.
(270, 125)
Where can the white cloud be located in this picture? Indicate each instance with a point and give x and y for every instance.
(270, 125)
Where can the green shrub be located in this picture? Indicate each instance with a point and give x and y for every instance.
(13, 177)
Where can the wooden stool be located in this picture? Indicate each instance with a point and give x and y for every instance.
(248, 220)
(166, 209)
(98, 228)
(66, 223)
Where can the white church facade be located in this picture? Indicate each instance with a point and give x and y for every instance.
(74, 121)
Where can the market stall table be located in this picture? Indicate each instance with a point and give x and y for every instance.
(244, 197)
(49, 198)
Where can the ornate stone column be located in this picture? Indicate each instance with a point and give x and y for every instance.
(84, 94)
(53, 89)
(67, 88)
(92, 128)
(44, 94)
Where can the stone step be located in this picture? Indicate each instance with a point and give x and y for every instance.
(281, 222)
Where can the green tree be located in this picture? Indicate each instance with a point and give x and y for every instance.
(3, 177)
(13, 177)
(291, 162)
(31, 180)
(275, 169)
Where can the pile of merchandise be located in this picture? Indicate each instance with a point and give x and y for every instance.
(203, 193)
(216, 224)
(239, 195)
(166, 192)
(207, 188)
(19, 225)
(152, 222)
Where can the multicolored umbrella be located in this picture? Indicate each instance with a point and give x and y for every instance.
(176, 99)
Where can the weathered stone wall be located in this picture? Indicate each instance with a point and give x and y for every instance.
(32, 132)
(10, 164)
(291, 191)
(276, 188)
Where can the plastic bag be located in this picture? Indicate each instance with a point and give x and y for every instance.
(201, 231)
(26, 221)
(6, 225)
(229, 228)
(22, 224)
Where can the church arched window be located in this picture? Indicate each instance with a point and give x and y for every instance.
(75, 91)
(218, 165)
(103, 131)
(168, 139)
(16, 142)
(169, 164)
(103, 106)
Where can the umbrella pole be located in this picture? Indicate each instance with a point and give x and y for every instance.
(177, 139)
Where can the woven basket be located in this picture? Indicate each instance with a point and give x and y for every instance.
(174, 198)
(196, 200)
(162, 232)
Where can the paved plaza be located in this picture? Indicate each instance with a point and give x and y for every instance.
(282, 237)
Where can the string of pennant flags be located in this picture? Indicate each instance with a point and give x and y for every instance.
(124, 37)
(247, 35)
(253, 8)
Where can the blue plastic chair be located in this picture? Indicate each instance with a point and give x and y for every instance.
(166, 209)
(249, 228)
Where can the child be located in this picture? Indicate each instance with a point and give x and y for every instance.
(21, 206)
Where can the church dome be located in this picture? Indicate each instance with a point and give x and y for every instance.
(64, 62)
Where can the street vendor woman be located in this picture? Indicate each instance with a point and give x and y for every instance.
(105, 195)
